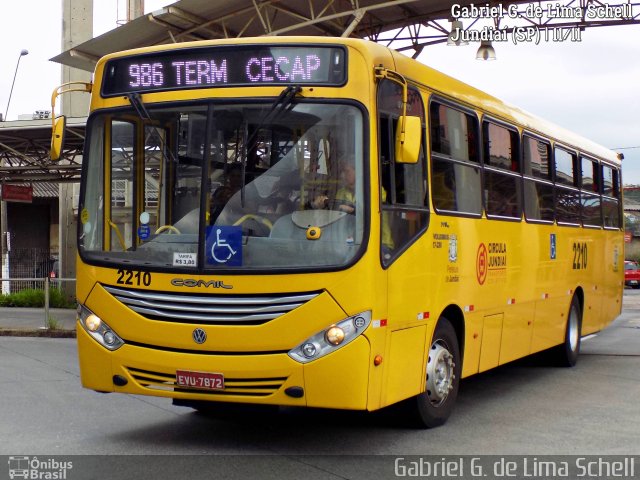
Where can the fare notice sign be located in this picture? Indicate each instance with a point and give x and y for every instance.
(17, 193)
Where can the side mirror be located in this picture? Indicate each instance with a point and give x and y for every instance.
(57, 137)
(408, 145)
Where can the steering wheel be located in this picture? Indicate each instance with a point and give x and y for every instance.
(265, 221)
(171, 228)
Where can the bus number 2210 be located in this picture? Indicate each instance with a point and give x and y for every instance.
(130, 277)
(579, 256)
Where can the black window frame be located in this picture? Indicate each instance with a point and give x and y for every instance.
(547, 181)
(433, 156)
(562, 186)
(590, 193)
(391, 206)
(616, 188)
(489, 169)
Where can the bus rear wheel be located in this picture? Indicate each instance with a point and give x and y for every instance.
(567, 353)
(433, 407)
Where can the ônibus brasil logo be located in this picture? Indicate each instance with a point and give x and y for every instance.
(33, 468)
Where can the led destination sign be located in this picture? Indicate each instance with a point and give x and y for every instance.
(225, 66)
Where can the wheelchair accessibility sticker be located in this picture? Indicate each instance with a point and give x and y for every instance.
(224, 245)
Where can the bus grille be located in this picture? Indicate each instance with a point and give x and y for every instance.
(247, 387)
(208, 309)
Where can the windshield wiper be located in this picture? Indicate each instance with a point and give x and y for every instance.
(138, 105)
(283, 103)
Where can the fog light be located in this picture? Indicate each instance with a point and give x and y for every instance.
(109, 338)
(309, 349)
(335, 335)
(93, 323)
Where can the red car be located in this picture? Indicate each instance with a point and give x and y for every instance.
(631, 274)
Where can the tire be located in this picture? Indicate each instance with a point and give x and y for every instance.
(567, 353)
(433, 407)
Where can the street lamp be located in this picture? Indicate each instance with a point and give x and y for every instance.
(23, 52)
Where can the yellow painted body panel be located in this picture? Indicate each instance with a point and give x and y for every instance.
(518, 308)
(491, 342)
(406, 359)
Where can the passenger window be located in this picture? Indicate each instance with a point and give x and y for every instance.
(610, 182)
(538, 187)
(590, 180)
(590, 195)
(403, 189)
(536, 158)
(502, 182)
(455, 179)
(501, 147)
(565, 167)
(611, 197)
(567, 196)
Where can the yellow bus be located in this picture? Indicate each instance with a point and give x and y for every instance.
(324, 222)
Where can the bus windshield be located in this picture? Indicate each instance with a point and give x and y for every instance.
(224, 186)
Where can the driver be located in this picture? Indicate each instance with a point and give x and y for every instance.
(345, 199)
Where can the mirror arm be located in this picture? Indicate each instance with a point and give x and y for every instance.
(65, 88)
(58, 124)
(380, 73)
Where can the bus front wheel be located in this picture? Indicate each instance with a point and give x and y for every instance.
(432, 407)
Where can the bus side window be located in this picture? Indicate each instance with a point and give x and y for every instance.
(403, 189)
(538, 180)
(502, 181)
(455, 163)
(611, 197)
(567, 194)
(590, 193)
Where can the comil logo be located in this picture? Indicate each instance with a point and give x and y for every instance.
(34, 468)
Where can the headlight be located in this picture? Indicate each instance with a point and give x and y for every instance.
(99, 330)
(333, 337)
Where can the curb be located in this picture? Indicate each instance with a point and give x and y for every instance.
(46, 333)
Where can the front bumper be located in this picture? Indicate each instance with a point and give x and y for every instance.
(338, 380)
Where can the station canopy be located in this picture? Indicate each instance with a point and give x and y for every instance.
(406, 25)
(188, 20)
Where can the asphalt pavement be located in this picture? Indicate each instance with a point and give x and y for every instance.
(522, 408)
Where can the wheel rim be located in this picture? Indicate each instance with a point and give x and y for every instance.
(440, 373)
(574, 331)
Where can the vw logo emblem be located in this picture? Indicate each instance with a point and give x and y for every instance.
(199, 335)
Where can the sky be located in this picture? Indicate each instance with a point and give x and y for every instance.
(589, 87)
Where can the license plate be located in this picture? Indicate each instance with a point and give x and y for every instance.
(204, 380)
